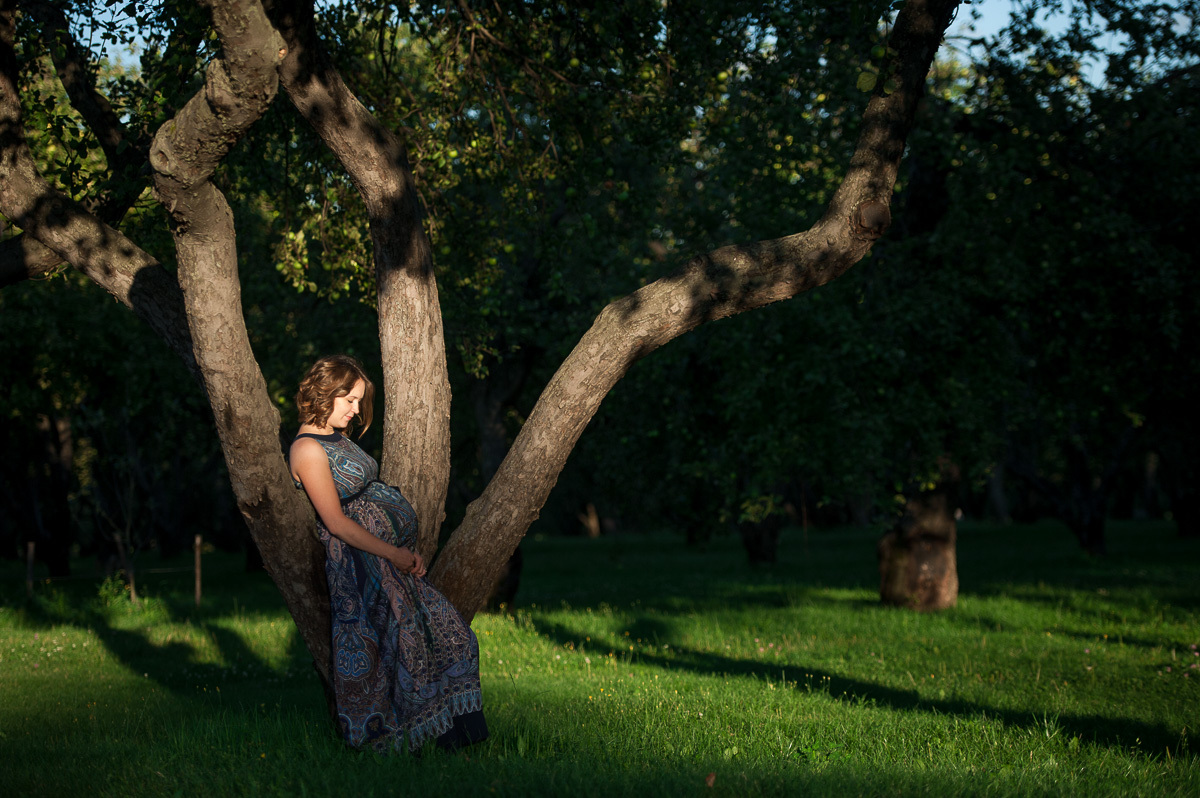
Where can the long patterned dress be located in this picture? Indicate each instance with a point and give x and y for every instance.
(406, 664)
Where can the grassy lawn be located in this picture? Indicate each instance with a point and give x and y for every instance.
(637, 666)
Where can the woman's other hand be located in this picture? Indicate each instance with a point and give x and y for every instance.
(409, 562)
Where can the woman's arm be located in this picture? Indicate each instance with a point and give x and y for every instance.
(310, 465)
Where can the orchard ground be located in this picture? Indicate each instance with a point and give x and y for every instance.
(635, 665)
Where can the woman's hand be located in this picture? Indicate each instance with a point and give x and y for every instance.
(409, 562)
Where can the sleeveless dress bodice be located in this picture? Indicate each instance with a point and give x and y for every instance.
(356, 477)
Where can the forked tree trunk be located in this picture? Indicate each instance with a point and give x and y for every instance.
(1180, 476)
(239, 87)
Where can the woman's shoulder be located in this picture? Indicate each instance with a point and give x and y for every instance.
(305, 447)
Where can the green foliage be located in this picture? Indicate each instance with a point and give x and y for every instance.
(145, 462)
(568, 155)
(1051, 207)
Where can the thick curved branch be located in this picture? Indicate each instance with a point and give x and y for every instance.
(237, 90)
(64, 226)
(416, 423)
(239, 87)
(722, 283)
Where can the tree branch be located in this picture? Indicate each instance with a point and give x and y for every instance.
(60, 224)
(722, 283)
(239, 87)
(21, 257)
(416, 423)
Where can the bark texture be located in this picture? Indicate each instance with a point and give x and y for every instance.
(239, 87)
(416, 385)
(722, 283)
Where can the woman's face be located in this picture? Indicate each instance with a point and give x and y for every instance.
(346, 407)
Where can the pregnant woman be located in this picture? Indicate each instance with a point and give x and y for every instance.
(406, 664)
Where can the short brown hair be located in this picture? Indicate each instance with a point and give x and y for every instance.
(329, 378)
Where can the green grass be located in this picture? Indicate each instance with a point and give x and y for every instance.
(638, 666)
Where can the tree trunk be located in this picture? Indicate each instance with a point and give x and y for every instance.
(1082, 501)
(917, 558)
(761, 539)
(57, 531)
(997, 497)
(1083, 505)
(1179, 475)
(416, 389)
(239, 86)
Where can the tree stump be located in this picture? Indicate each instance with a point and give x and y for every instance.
(761, 538)
(918, 568)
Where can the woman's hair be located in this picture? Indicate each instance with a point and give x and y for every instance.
(329, 378)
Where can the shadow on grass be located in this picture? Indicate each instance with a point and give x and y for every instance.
(178, 666)
(1123, 733)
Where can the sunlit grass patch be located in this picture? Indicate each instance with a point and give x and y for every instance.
(659, 669)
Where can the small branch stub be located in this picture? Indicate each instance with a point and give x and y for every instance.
(871, 219)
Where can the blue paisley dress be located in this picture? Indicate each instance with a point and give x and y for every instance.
(406, 664)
